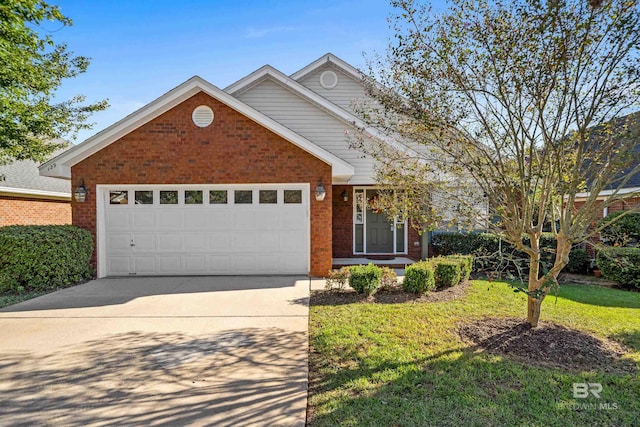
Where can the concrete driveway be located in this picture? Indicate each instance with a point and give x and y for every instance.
(224, 351)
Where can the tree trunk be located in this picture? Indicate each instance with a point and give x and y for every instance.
(533, 311)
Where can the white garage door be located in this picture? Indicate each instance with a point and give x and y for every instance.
(172, 230)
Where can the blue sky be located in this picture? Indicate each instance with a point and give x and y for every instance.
(141, 49)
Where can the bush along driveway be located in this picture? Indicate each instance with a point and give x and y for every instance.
(467, 360)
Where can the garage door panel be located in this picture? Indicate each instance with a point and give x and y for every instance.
(169, 219)
(219, 242)
(169, 264)
(211, 238)
(169, 241)
(144, 264)
(219, 264)
(144, 242)
(144, 218)
(195, 219)
(118, 242)
(195, 264)
(118, 219)
(119, 265)
(195, 242)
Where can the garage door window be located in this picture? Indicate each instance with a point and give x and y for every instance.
(168, 197)
(243, 197)
(218, 197)
(144, 197)
(193, 197)
(118, 197)
(268, 196)
(293, 196)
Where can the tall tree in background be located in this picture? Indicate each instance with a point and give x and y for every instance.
(504, 98)
(32, 68)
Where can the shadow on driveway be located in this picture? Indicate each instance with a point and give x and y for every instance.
(114, 291)
(231, 378)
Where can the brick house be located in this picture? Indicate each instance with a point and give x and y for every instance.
(26, 198)
(258, 178)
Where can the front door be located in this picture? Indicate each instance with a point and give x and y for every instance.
(379, 229)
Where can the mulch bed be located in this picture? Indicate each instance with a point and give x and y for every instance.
(548, 345)
(387, 296)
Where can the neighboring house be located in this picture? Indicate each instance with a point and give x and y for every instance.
(26, 198)
(258, 178)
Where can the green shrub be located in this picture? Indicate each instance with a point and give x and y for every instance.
(490, 254)
(337, 279)
(419, 278)
(43, 258)
(578, 261)
(447, 273)
(365, 279)
(623, 232)
(621, 265)
(466, 265)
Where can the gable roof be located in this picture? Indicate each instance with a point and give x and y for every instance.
(22, 178)
(268, 72)
(331, 59)
(60, 166)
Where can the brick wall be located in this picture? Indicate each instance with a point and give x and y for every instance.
(233, 149)
(31, 211)
(342, 222)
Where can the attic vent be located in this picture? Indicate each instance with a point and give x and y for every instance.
(328, 79)
(202, 116)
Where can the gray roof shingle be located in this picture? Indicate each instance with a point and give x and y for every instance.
(24, 174)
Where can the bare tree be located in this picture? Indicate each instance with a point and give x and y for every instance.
(526, 103)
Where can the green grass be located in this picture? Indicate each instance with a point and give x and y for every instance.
(6, 300)
(404, 365)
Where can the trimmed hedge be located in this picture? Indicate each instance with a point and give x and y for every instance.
(624, 232)
(419, 278)
(365, 279)
(466, 265)
(447, 273)
(485, 248)
(43, 258)
(621, 265)
(578, 261)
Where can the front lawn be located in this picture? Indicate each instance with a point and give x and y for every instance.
(405, 364)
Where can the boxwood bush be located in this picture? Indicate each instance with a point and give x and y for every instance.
(447, 273)
(466, 265)
(621, 265)
(419, 278)
(42, 258)
(365, 279)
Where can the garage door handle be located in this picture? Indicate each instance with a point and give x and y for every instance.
(132, 244)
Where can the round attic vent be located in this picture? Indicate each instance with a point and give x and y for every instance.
(328, 79)
(202, 116)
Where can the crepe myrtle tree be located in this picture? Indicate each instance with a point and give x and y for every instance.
(524, 104)
(32, 68)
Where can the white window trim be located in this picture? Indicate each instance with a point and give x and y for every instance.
(364, 228)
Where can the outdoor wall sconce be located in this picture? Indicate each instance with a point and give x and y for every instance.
(81, 193)
(320, 192)
(345, 196)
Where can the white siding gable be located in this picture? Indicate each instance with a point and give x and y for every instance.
(344, 94)
(311, 122)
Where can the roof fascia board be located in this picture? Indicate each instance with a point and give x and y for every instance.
(60, 166)
(324, 59)
(35, 193)
(606, 193)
